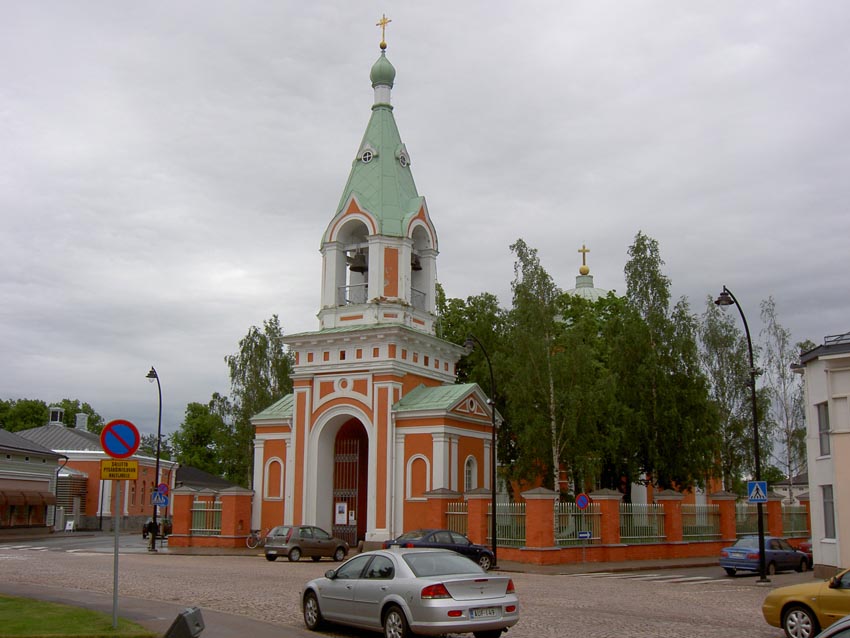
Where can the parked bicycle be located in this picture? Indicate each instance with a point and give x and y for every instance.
(257, 538)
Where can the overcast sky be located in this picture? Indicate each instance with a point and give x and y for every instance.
(167, 169)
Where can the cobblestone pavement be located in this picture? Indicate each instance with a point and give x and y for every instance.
(551, 605)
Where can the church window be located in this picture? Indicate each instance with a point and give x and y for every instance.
(359, 353)
(470, 474)
(273, 479)
(366, 157)
(342, 355)
(426, 361)
(376, 352)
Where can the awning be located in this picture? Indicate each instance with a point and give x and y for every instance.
(39, 498)
(10, 497)
(14, 498)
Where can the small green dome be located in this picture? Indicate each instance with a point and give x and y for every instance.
(383, 72)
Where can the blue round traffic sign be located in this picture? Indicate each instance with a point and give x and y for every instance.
(120, 439)
(582, 501)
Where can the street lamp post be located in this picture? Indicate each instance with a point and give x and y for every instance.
(726, 298)
(470, 342)
(151, 376)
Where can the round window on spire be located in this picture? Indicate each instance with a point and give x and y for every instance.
(403, 160)
(366, 157)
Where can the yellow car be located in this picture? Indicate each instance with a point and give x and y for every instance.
(803, 610)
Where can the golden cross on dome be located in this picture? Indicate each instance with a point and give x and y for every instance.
(583, 250)
(383, 22)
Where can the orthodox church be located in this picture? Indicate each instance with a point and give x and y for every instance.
(375, 419)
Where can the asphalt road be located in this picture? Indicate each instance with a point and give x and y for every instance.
(245, 590)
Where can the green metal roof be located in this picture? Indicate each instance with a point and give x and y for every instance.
(383, 185)
(281, 409)
(442, 397)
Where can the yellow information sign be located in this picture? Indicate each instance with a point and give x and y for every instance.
(119, 470)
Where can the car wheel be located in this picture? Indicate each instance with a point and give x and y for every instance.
(492, 633)
(312, 614)
(485, 562)
(395, 624)
(799, 622)
(316, 559)
(804, 566)
(730, 571)
(339, 554)
(294, 555)
(771, 568)
(271, 558)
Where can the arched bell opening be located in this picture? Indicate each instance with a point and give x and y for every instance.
(420, 265)
(353, 269)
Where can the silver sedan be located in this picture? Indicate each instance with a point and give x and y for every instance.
(404, 591)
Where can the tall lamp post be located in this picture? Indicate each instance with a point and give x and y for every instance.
(726, 298)
(469, 344)
(151, 376)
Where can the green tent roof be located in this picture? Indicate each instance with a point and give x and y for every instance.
(442, 397)
(281, 409)
(380, 175)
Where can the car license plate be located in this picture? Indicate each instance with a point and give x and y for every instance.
(484, 612)
(738, 555)
(272, 552)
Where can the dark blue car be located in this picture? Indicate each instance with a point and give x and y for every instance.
(445, 539)
(778, 555)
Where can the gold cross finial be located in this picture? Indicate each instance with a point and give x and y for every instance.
(383, 22)
(584, 250)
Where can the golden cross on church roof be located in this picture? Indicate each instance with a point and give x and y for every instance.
(383, 22)
(584, 250)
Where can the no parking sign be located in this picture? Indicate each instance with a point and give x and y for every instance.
(120, 439)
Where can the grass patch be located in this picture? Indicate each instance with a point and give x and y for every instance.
(40, 619)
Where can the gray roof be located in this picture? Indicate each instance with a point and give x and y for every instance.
(58, 437)
(14, 442)
(189, 476)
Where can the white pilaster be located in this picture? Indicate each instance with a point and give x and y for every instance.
(257, 483)
(440, 466)
(453, 462)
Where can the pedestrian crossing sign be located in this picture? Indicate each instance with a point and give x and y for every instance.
(158, 499)
(757, 491)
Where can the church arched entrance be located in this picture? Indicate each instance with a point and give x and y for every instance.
(350, 482)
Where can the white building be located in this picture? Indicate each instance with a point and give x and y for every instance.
(827, 391)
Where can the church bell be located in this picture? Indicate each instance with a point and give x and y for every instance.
(358, 263)
(415, 262)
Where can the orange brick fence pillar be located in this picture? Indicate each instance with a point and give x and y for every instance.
(540, 517)
(671, 501)
(181, 516)
(774, 514)
(478, 502)
(726, 505)
(235, 515)
(609, 507)
(437, 500)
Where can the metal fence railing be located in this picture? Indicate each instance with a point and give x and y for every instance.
(641, 523)
(573, 524)
(510, 524)
(700, 522)
(206, 518)
(746, 519)
(457, 516)
(795, 523)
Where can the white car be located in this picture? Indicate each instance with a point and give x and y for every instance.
(403, 591)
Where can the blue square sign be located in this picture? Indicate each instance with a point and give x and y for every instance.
(757, 491)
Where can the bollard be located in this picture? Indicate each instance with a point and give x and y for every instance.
(188, 624)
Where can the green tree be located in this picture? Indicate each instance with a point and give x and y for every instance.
(259, 375)
(22, 414)
(784, 389)
(726, 364)
(670, 424)
(147, 446)
(201, 440)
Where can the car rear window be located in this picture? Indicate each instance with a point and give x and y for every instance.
(749, 542)
(412, 535)
(280, 530)
(440, 564)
